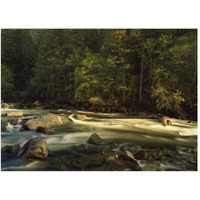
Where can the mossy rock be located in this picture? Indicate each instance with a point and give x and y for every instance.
(81, 117)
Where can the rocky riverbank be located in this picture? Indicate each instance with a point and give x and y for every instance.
(98, 155)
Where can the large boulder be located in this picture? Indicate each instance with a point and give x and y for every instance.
(47, 131)
(14, 114)
(4, 124)
(47, 121)
(81, 117)
(95, 139)
(34, 148)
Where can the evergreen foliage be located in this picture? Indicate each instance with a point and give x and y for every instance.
(123, 69)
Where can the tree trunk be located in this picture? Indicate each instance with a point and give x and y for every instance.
(124, 85)
(141, 74)
(195, 71)
(52, 82)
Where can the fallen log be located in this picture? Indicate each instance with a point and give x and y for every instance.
(14, 114)
(105, 116)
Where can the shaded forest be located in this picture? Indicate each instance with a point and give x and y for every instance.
(107, 70)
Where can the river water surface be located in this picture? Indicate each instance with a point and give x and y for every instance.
(135, 131)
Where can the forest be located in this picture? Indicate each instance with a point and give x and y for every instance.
(106, 70)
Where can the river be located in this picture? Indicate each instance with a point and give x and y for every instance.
(125, 131)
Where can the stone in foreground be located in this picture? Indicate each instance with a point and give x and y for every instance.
(47, 121)
(126, 155)
(141, 155)
(34, 148)
(95, 139)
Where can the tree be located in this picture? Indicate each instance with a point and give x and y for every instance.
(7, 86)
(127, 70)
(116, 51)
(19, 54)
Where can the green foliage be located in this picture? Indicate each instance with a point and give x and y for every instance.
(19, 54)
(7, 91)
(162, 98)
(96, 101)
(132, 69)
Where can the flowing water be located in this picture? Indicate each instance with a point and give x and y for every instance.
(135, 131)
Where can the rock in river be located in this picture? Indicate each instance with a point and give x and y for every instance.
(47, 121)
(34, 148)
(81, 117)
(10, 148)
(95, 139)
(47, 131)
(169, 123)
(4, 124)
(164, 121)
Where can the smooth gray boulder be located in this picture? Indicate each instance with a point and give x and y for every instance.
(34, 148)
(47, 121)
